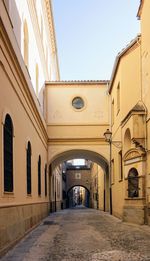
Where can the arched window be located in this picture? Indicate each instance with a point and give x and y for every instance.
(133, 183)
(29, 168)
(26, 44)
(45, 173)
(39, 176)
(127, 140)
(37, 79)
(8, 154)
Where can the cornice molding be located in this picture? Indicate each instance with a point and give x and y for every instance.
(51, 24)
(48, 8)
(90, 124)
(68, 83)
(76, 140)
(133, 154)
(140, 9)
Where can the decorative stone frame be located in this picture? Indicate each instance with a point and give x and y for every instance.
(135, 158)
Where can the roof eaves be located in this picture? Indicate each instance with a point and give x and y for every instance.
(78, 82)
(140, 9)
(117, 60)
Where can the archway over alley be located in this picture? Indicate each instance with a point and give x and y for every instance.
(94, 176)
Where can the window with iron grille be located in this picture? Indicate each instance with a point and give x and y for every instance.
(45, 180)
(29, 168)
(133, 183)
(39, 176)
(8, 154)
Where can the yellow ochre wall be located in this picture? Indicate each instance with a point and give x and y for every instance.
(128, 77)
(145, 56)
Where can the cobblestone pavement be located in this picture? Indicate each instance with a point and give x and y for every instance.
(83, 234)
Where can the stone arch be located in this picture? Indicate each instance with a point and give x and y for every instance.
(78, 186)
(87, 204)
(82, 154)
(89, 155)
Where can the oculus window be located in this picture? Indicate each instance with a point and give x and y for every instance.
(78, 103)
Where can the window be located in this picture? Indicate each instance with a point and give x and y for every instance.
(37, 79)
(120, 165)
(8, 154)
(45, 180)
(133, 183)
(118, 98)
(112, 172)
(29, 168)
(26, 44)
(78, 103)
(112, 112)
(39, 176)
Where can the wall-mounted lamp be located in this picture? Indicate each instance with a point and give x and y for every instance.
(108, 138)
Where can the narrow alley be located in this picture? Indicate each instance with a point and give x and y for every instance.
(83, 234)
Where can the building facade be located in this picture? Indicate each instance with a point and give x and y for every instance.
(28, 58)
(129, 89)
(45, 122)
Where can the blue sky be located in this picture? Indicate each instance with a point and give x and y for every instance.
(90, 33)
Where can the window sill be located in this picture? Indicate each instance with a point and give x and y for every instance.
(8, 194)
(138, 198)
(29, 195)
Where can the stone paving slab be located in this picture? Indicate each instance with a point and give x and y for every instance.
(83, 234)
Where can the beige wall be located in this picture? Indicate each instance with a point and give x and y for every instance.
(14, 101)
(64, 122)
(66, 131)
(102, 188)
(128, 77)
(19, 212)
(99, 188)
(70, 129)
(60, 109)
(145, 55)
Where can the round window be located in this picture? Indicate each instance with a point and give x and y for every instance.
(78, 103)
